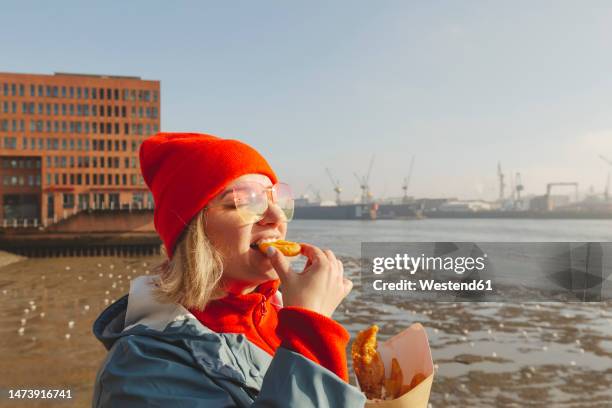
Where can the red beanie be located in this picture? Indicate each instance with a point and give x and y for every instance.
(184, 171)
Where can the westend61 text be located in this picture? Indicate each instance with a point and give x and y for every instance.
(432, 285)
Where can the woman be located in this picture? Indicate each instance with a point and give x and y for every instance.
(211, 329)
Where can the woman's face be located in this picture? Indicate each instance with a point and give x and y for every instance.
(243, 267)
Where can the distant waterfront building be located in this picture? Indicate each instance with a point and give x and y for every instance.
(69, 142)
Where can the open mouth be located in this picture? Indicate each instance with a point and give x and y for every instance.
(255, 244)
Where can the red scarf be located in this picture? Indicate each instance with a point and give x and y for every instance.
(311, 334)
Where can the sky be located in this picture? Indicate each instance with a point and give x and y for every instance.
(459, 85)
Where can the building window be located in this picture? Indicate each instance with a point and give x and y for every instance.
(68, 199)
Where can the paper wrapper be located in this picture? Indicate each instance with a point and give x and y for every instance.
(411, 349)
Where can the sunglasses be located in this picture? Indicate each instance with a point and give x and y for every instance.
(252, 199)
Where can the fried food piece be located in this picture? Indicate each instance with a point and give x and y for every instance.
(288, 248)
(367, 363)
(417, 379)
(393, 384)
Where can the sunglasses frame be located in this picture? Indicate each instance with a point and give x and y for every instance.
(270, 197)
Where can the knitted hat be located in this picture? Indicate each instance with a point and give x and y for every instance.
(184, 171)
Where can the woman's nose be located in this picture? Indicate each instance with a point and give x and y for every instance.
(273, 215)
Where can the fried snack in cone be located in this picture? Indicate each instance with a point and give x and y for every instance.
(288, 248)
(367, 363)
(408, 355)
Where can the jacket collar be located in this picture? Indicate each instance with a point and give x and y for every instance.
(220, 355)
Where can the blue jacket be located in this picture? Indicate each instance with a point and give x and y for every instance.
(160, 355)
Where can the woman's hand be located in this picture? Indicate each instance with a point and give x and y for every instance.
(320, 287)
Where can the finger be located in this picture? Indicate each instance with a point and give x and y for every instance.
(280, 263)
(348, 286)
(315, 255)
(330, 255)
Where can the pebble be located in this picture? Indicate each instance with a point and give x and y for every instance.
(71, 324)
(578, 341)
(26, 311)
(111, 266)
(107, 293)
(4, 292)
(31, 302)
(147, 272)
(99, 265)
(144, 264)
(67, 268)
(110, 275)
(465, 331)
(21, 331)
(33, 338)
(501, 325)
(528, 375)
(43, 278)
(119, 276)
(582, 351)
(436, 330)
(572, 363)
(100, 274)
(86, 307)
(494, 354)
(532, 369)
(33, 307)
(544, 348)
(23, 322)
(42, 315)
(471, 344)
(106, 301)
(67, 336)
(80, 278)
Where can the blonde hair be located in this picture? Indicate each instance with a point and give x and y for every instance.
(191, 277)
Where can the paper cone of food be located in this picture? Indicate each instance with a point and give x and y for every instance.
(407, 380)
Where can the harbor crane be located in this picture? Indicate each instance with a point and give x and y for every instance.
(363, 181)
(336, 184)
(518, 188)
(502, 185)
(407, 181)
